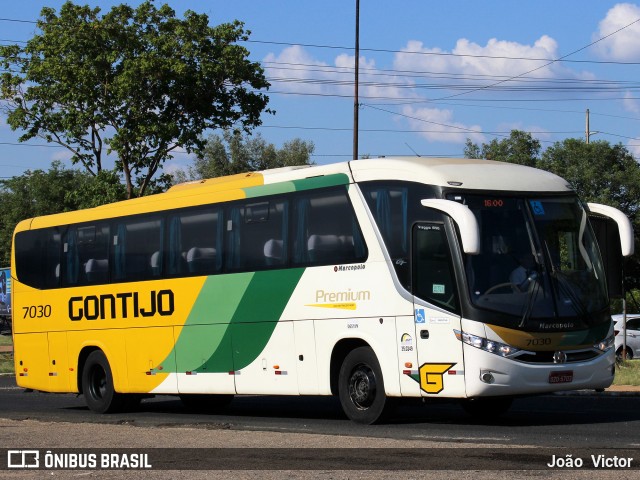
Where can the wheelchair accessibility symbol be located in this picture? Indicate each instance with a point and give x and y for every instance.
(537, 207)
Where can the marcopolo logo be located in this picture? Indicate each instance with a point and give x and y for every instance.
(122, 305)
(348, 268)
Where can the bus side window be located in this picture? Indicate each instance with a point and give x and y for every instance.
(433, 277)
(135, 248)
(85, 255)
(257, 234)
(38, 257)
(93, 248)
(195, 241)
(326, 230)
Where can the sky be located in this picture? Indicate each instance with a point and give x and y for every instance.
(432, 74)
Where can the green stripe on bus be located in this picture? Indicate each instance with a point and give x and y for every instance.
(233, 319)
(298, 185)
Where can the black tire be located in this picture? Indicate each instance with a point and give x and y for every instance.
(97, 385)
(487, 408)
(629, 355)
(205, 403)
(361, 388)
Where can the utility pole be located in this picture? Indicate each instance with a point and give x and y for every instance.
(356, 105)
(587, 132)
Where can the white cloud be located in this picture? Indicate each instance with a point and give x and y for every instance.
(483, 65)
(294, 70)
(440, 126)
(623, 45)
(634, 148)
(420, 73)
(62, 155)
(630, 103)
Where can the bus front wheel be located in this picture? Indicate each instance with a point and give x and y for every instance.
(97, 385)
(361, 387)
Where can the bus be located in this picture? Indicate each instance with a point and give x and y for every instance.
(373, 280)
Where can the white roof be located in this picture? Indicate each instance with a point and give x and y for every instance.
(463, 172)
(446, 172)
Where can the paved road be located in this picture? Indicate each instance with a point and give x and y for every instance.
(311, 436)
(594, 420)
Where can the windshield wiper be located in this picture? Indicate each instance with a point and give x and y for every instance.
(564, 285)
(531, 300)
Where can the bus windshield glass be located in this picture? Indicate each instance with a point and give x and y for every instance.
(539, 258)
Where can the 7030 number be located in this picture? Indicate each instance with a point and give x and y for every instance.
(37, 311)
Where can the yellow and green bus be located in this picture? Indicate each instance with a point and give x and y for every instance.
(372, 280)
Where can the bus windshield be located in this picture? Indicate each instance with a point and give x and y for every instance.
(538, 259)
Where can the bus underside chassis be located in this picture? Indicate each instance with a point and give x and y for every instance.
(486, 408)
(361, 387)
(206, 403)
(97, 387)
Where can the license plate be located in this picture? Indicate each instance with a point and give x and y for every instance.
(561, 377)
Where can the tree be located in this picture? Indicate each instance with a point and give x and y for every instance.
(599, 172)
(519, 148)
(37, 192)
(234, 152)
(138, 83)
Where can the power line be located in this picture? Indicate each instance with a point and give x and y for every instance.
(423, 100)
(438, 75)
(445, 54)
(545, 65)
(17, 21)
(390, 130)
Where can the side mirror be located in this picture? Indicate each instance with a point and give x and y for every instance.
(625, 230)
(465, 220)
(614, 234)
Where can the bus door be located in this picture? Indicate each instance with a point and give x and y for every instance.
(440, 368)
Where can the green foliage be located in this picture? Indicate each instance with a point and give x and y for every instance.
(520, 148)
(234, 153)
(136, 82)
(6, 363)
(627, 373)
(598, 171)
(38, 193)
(633, 302)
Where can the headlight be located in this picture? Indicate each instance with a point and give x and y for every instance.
(606, 344)
(491, 346)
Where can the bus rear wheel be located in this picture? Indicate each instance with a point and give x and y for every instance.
(361, 387)
(97, 385)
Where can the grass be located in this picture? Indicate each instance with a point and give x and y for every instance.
(6, 362)
(6, 359)
(627, 373)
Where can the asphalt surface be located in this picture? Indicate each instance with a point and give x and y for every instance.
(309, 437)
